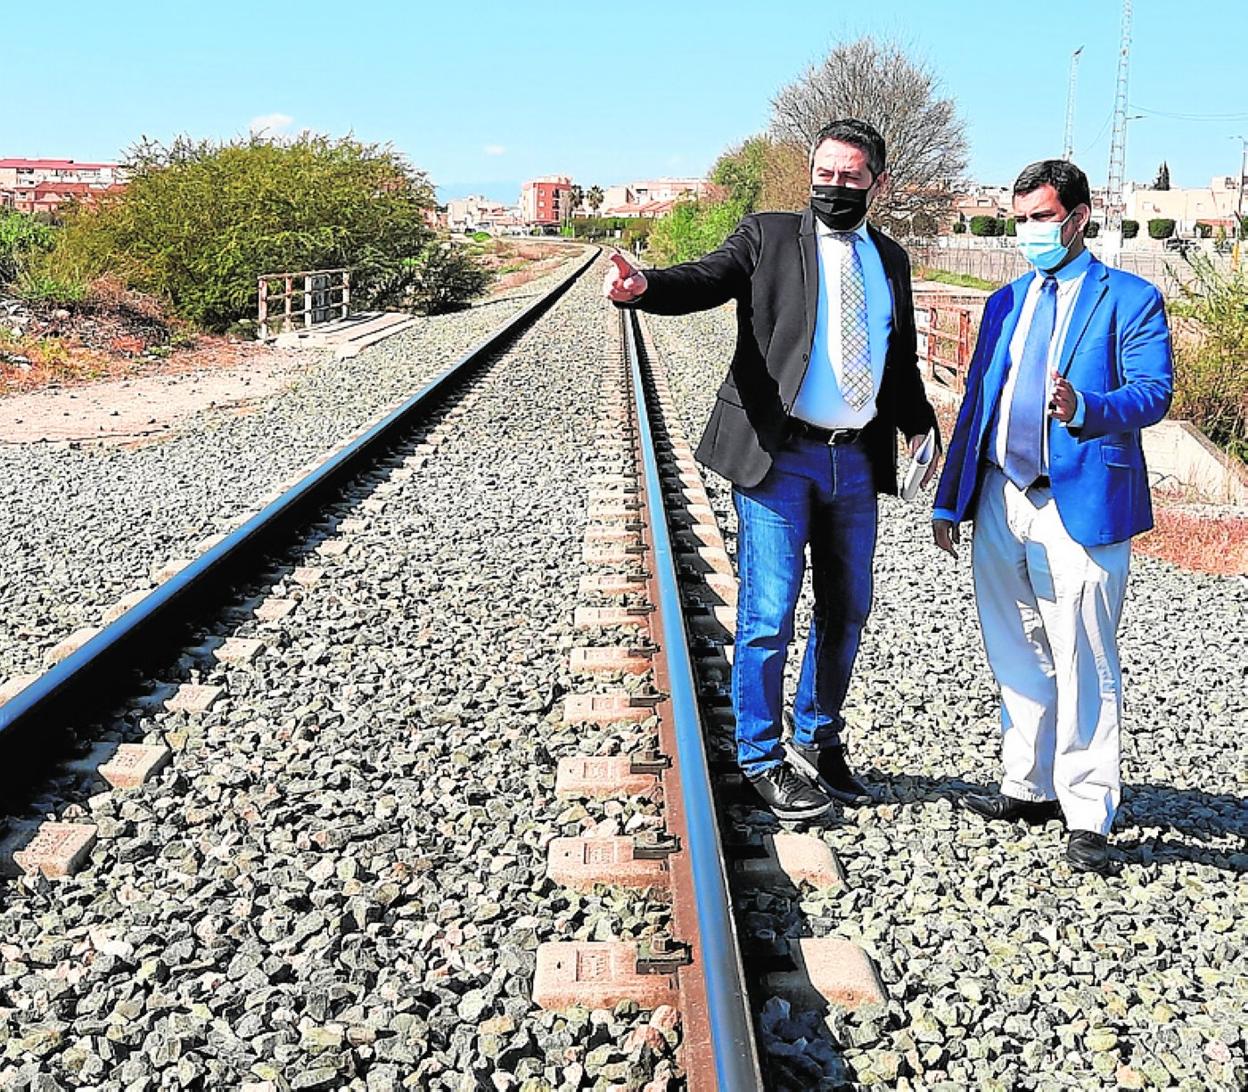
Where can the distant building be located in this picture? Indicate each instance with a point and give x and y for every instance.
(1215, 205)
(477, 213)
(43, 185)
(18, 172)
(47, 197)
(656, 197)
(546, 201)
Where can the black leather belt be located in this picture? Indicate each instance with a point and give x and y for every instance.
(830, 436)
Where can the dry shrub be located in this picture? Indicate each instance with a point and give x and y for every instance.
(1197, 541)
(110, 293)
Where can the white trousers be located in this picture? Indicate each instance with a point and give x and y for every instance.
(1049, 610)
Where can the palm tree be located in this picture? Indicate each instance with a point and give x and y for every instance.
(575, 196)
(594, 198)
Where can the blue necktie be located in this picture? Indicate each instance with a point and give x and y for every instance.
(1028, 410)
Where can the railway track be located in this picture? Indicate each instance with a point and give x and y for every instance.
(186, 815)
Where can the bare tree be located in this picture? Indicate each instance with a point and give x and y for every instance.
(877, 82)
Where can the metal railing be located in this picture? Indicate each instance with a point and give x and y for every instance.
(947, 338)
(318, 288)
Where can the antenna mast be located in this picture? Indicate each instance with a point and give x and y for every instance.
(1114, 203)
(1068, 144)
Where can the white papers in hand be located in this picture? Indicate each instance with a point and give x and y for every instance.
(918, 466)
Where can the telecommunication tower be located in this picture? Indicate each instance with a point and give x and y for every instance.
(1114, 203)
(1068, 143)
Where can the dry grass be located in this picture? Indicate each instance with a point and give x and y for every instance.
(54, 362)
(1199, 541)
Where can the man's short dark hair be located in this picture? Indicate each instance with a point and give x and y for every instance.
(860, 134)
(1068, 180)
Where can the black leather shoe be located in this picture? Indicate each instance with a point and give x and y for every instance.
(788, 796)
(825, 767)
(997, 806)
(1088, 851)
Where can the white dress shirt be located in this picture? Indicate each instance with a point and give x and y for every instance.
(1069, 281)
(819, 401)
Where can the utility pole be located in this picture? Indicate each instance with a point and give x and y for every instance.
(1243, 178)
(1114, 202)
(1237, 245)
(1068, 143)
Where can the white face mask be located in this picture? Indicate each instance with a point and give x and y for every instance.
(1040, 242)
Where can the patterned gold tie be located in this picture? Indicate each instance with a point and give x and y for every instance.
(857, 386)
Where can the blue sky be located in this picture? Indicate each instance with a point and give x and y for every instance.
(484, 94)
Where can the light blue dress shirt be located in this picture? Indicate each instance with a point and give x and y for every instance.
(1069, 282)
(819, 401)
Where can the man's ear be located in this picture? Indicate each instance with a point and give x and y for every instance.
(883, 180)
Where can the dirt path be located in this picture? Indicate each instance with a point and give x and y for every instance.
(146, 405)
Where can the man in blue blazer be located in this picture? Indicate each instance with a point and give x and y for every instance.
(1072, 361)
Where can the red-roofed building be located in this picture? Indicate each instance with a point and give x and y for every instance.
(49, 196)
(43, 185)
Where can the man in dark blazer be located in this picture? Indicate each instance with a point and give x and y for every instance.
(804, 426)
(1072, 361)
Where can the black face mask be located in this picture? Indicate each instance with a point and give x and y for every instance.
(840, 208)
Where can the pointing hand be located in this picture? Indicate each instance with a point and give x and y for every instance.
(623, 282)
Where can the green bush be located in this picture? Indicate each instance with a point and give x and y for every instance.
(986, 226)
(1130, 229)
(199, 222)
(602, 227)
(1160, 228)
(20, 236)
(693, 228)
(959, 228)
(741, 171)
(442, 278)
(1011, 227)
(1211, 367)
(1093, 229)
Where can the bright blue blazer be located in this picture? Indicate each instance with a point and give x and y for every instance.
(1117, 355)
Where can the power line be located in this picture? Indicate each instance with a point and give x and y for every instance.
(1190, 117)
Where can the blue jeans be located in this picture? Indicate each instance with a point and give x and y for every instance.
(823, 497)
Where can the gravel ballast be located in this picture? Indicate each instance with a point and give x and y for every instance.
(1003, 968)
(86, 523)
(340, 881)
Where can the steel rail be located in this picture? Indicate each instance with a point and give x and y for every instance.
(733, 1040)
(80, 688)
